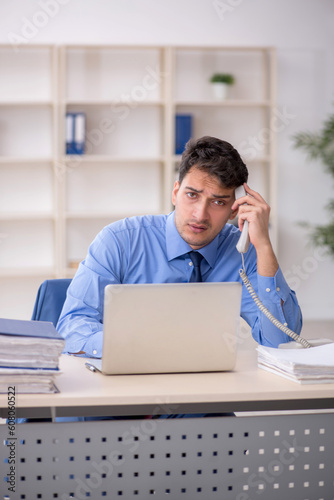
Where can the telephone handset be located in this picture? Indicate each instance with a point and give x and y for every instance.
(242, 247)
(243, 243)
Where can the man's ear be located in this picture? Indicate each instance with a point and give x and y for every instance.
(233, 213)
(175, 191)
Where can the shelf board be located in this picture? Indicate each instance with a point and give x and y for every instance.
(24, 159)
(110, 216)
(261, 159)
(114, 159)
(28, 47)
(26, 103)
(112, 48)
(90, 216)
(24, 216)
(112, 103)
(228, 103)
(225, 48)
(27, 272)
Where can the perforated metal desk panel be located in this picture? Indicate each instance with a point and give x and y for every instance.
(239, 458)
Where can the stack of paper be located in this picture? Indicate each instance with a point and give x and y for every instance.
(29, 356)
(306, 366)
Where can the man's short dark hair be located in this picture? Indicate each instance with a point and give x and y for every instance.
(216, 157)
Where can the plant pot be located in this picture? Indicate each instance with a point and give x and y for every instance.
(219, 91)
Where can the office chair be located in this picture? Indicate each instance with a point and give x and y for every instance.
(50, 299)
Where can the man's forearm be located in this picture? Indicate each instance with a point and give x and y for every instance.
(267, 264)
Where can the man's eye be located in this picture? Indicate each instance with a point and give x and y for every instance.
(219, 202)
(191, 195)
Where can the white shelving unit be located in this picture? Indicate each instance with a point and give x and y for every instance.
(28, 187)
(52, 204)
(124, 100)
(244, 118)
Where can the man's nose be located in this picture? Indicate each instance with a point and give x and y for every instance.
(200, 212)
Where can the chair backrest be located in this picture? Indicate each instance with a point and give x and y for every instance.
(50, 299)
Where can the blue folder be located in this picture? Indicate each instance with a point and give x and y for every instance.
(183, 132)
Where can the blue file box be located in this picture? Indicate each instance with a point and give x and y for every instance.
(183, 132)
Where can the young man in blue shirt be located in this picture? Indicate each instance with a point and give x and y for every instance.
(155, 249)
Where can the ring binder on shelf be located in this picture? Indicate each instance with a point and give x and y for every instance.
(75, 133)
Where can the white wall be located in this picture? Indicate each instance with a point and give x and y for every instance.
(301, 30)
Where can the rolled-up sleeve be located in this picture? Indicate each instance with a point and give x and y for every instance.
(282, 303)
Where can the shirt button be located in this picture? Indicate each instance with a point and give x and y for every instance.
(190, 263)
(95, 351)
(277, 289)
(267, 289)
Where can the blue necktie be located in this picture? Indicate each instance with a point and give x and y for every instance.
(196, 275)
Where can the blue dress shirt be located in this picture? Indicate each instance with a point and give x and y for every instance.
(149, 249)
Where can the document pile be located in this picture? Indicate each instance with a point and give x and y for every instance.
(306, 366)
(29, 356)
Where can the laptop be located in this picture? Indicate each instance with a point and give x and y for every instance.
(169, 328)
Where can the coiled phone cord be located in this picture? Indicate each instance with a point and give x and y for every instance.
(266, 312)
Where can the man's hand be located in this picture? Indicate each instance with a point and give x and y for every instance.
(256, 211)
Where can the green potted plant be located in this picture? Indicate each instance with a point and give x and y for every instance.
(320, 146)
(220, 83)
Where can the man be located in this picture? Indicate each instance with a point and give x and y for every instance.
(155, 249)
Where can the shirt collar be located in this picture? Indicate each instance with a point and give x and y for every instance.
(176, 246)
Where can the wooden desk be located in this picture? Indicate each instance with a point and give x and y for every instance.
(248, 388)
(234, 458)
